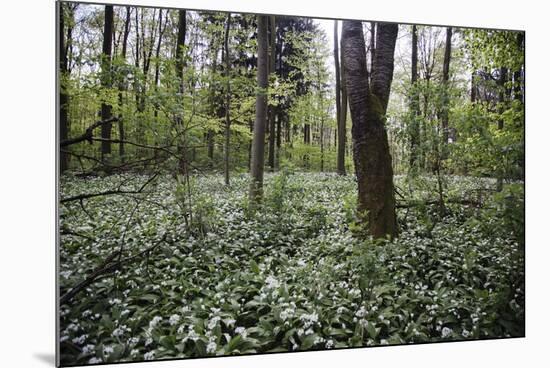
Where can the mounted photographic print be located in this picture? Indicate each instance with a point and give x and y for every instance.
(235, 183)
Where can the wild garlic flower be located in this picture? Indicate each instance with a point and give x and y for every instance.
(211, 347)
(149, 356)
(174, 319)
(241, 331)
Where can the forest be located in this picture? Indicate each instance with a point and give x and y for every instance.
(236, 183)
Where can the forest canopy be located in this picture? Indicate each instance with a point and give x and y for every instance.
(237, 183)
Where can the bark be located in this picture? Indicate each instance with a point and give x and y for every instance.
(258, 144)
(106, 79)
(500, 124)
(373, 163)
(271, 116)
(161, 30)
(340, 159)
(473, 95)
(344, 105)
(518, 95)
(414, 102)
(180, 44)
(445, 100)
(227, 100)
(63, 97)
(122, 86)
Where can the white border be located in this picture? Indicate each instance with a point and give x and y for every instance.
(27, 205)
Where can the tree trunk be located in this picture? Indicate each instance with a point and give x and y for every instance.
(445, 100)
(106, 80)
(227, 100)
(63, 97)
(414, 102)
(121, 86)
(518, 95)
(340, 159)
(500, 124)
(258, 143)
(180, 44)
(368, 104)
(271, 150)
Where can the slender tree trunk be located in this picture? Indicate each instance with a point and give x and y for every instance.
(368, 104)
(445, 107)
(106, 80)
(122, 84)
(414, 102)
(180, 129)
(271, 117)
(501, 100)
(340, 159)
(63, 97)
(473, 88)
(161, 31)
(344, 106)
(258, 143)
(227, 100)
(518, 95)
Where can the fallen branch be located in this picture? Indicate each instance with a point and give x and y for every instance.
(88, 134)
(81, 197)
(464, 202)
(107, 266)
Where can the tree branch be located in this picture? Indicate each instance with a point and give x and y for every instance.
(88, 134)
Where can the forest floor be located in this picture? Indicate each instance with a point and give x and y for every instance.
(296, 274)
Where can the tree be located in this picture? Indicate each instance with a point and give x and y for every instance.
(271, 111)
(368, 104)
(106, 80)
(340, 120)
(445, 91)
(180, 51)
(227, 100)
(414, 105)
(258, 142)
(122, 84)
(63, 96)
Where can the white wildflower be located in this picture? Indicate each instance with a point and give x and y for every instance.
(241, 331)
(446, 332)
(174, 319)
(211, 347)
(149, 356)
(88, 349)
(272, 282)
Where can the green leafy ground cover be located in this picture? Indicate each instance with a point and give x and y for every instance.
(295, 275)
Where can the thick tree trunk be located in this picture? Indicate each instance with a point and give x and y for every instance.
(180, 44)
(368, 104)
(227, 101)
(63, 97)
(414, 105)
(106, 80)
(340, 159)
(258, 143)
(272, 58)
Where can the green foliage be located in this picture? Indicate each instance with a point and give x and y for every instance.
(291, 277)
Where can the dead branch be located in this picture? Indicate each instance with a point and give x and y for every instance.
(88, 134)
(107, 266)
